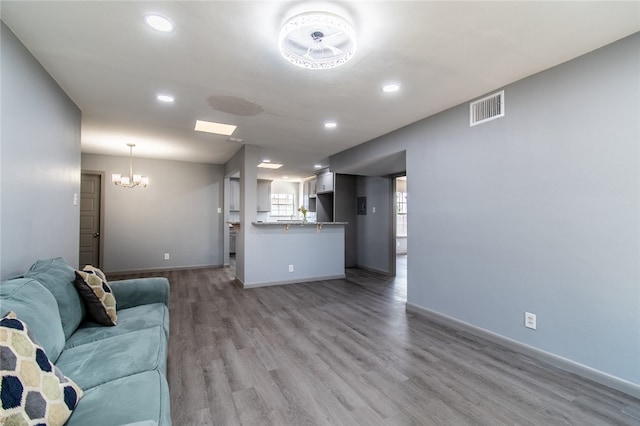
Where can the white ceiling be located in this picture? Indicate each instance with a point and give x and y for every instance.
(222, 64)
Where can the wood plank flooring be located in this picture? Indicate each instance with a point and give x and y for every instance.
(345, 352)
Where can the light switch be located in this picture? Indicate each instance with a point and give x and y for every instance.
(373, 209)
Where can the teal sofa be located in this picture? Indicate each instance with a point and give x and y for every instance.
(121, 369)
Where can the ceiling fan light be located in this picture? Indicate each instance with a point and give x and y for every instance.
(317, 40)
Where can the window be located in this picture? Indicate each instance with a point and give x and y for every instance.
(401, 214)
(282, 205)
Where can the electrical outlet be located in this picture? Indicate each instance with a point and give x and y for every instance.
(530, 320)
(290, 268)
(166, 256)
(219, 209)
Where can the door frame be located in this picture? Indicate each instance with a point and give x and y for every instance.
(102, 208)
(393, 222)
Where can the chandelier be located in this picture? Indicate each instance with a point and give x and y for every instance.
(317, 40)
(132, 180)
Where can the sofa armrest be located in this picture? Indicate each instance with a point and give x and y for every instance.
(140, 291)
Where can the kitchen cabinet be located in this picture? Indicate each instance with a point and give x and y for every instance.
(311, 187)
(324, 183)
(232, 240)
(264, 195)
(234, 194)
(309, 195)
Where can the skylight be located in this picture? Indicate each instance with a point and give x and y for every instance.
(212, 127)
(264, 165)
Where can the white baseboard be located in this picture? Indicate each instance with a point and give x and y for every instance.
(376, 270)
(547, 357)
(152, 270)
(296, 281)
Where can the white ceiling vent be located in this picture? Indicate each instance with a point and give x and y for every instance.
(486, 109)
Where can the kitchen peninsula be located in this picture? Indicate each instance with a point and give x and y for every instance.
(286, 252)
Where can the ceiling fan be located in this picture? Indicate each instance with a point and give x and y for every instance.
(317, 40)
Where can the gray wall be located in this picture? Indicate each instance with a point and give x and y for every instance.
(538, 211)
(345, 207)
(373, 230)
(315, 255)
(176, 214)
(40, 163)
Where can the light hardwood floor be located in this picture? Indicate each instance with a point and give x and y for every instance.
(345, 352)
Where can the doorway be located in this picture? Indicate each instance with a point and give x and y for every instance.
(400, 230)
(91, 218)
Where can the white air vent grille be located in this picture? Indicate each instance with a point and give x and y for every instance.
(486, 109)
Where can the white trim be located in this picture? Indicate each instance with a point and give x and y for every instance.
(377, 270)
(585, 371)
(172, 268)
(296, 281)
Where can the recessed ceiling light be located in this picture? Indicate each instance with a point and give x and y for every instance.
(317, 166)
(159, 22)
(391, 87)
(266, 160)
(285, 177)
(269, 165)
(217, 128)
(330, 124)
(165, 98)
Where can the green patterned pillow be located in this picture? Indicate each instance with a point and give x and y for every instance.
(33, 391)
(92, 285)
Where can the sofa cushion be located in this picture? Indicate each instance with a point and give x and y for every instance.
(142, 397)
(94, 289)
(96, 363)
(140, 291)
(131, 319)
(58, 276)
(36, 306)
(33, 390)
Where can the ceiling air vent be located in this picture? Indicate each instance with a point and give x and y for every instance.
(486, 109)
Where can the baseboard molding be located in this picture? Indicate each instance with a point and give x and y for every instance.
(547, 357)
(296, 281)
(152, 270)
(376, 270)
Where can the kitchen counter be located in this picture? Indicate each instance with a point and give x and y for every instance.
(291, 251)
(288, 224)
(297, 222)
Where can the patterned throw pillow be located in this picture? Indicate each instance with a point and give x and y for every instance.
(92, 285)
(32, 391)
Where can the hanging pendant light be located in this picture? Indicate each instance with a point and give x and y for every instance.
(132, 180)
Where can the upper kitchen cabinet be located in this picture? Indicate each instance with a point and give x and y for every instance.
(310, 186)
(324, 183)
(264, 195)
(234, 194)
(309, 194)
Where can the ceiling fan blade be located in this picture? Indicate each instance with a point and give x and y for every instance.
(333, 49)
